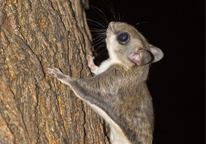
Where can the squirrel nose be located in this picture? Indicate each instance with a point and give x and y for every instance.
(111, 25)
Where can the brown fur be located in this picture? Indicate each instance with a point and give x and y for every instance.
(120, 90)
(123, 95)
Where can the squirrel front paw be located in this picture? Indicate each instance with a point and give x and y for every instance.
(56, 73)
(91, 64)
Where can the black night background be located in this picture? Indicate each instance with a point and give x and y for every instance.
(177, 82)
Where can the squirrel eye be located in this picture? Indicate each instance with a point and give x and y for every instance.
(123, 38)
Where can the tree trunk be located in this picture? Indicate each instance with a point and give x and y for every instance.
(35, 107)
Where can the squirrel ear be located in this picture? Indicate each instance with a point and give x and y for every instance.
(141, 57)
(157, 53)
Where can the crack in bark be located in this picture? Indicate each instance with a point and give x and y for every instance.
(85, 134)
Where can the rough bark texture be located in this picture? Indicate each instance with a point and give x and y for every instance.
(35, 107)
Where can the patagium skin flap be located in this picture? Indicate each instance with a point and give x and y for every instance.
(118, 90)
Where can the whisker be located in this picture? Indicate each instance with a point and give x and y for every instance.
(100, 38)
(113, 14)
(125, 10)
(96, 22)
(102, 45)
(98, 30)
(101, 12)
(95, 44)
(101, 32)
(97, 39)
(101, 52)
(111, 9)
(140, 23)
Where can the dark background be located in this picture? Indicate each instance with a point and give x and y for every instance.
(176, 82)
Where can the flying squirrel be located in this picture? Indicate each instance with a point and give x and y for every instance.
(118, 90)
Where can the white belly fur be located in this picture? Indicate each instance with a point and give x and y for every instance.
(116, 136)
(106, 64)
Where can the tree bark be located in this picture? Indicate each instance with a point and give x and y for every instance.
(35, 107)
